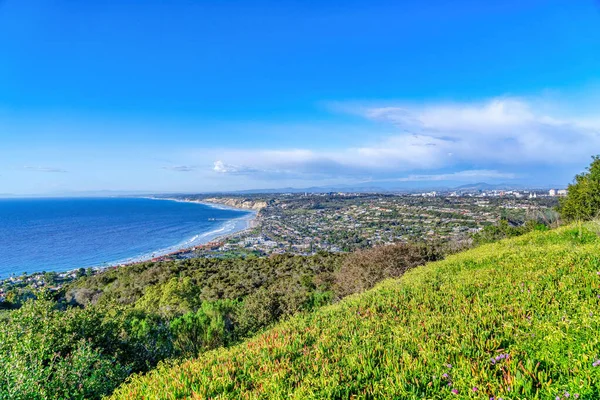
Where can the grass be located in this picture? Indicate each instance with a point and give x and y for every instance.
(530, 304)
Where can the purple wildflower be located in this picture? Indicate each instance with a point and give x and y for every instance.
(557, 398)
(445, 376)
(596, 363)
(475, 389)
(454, 391)
(449, 366)
(576, 395)
(567, 394)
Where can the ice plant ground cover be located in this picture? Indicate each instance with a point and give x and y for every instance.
(517, 319)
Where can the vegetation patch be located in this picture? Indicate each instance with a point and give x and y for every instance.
(517, 319)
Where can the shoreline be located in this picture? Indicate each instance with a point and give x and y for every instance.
(200, 240)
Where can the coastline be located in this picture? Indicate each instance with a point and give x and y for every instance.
(229, 228)
(221, 232)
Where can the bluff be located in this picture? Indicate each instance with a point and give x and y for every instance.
(247, 204)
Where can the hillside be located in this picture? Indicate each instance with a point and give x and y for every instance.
(248, 204)
(517, 319)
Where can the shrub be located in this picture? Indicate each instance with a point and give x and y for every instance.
(364, 268)
(583, 196)
(50, 354)
(260, 309)
(209, 327)
(493, 233)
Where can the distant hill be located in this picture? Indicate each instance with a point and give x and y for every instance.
(488, 186)
(392, 187)
(319, 189)
(517, 319)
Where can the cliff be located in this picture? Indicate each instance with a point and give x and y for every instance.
(247, 204)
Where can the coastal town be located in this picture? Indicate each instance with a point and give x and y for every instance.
(307, 223)
(17, 289)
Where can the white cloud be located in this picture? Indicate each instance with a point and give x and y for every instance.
(223, 168)
(479, 140)
(504, 130)
(232, 169)
(390, 154)
(44, 169)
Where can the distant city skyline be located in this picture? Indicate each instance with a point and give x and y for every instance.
(205, 96)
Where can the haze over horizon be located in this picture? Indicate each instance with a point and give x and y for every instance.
(220, 96)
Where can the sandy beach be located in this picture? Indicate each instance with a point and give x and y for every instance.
(229, 228)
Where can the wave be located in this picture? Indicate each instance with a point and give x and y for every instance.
(229, 227)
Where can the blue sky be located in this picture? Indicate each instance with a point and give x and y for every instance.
(221, 95)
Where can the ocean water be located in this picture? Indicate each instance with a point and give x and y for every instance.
(63, 234)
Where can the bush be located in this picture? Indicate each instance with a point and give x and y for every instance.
(176, 297)
(364, 268)
(493, 233)
(583, 196)
(260, 309)
(208, 328)
(49, 354)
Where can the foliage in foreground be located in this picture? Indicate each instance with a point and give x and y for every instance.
(127, 320)
(517, 319)
(55, 354)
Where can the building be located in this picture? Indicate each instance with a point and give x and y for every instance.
(552, 192)
(562, 192)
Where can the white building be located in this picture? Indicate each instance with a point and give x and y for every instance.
(552, 192)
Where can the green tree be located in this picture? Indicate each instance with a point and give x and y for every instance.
(177, 296)
(50, 277)
(46, 353)
(583, 197)
(207, 328)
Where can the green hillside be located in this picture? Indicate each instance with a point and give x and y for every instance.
(517, 319)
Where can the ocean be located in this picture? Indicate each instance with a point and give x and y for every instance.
(63, 234)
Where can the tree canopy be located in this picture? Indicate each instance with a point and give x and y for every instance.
(583, 196)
